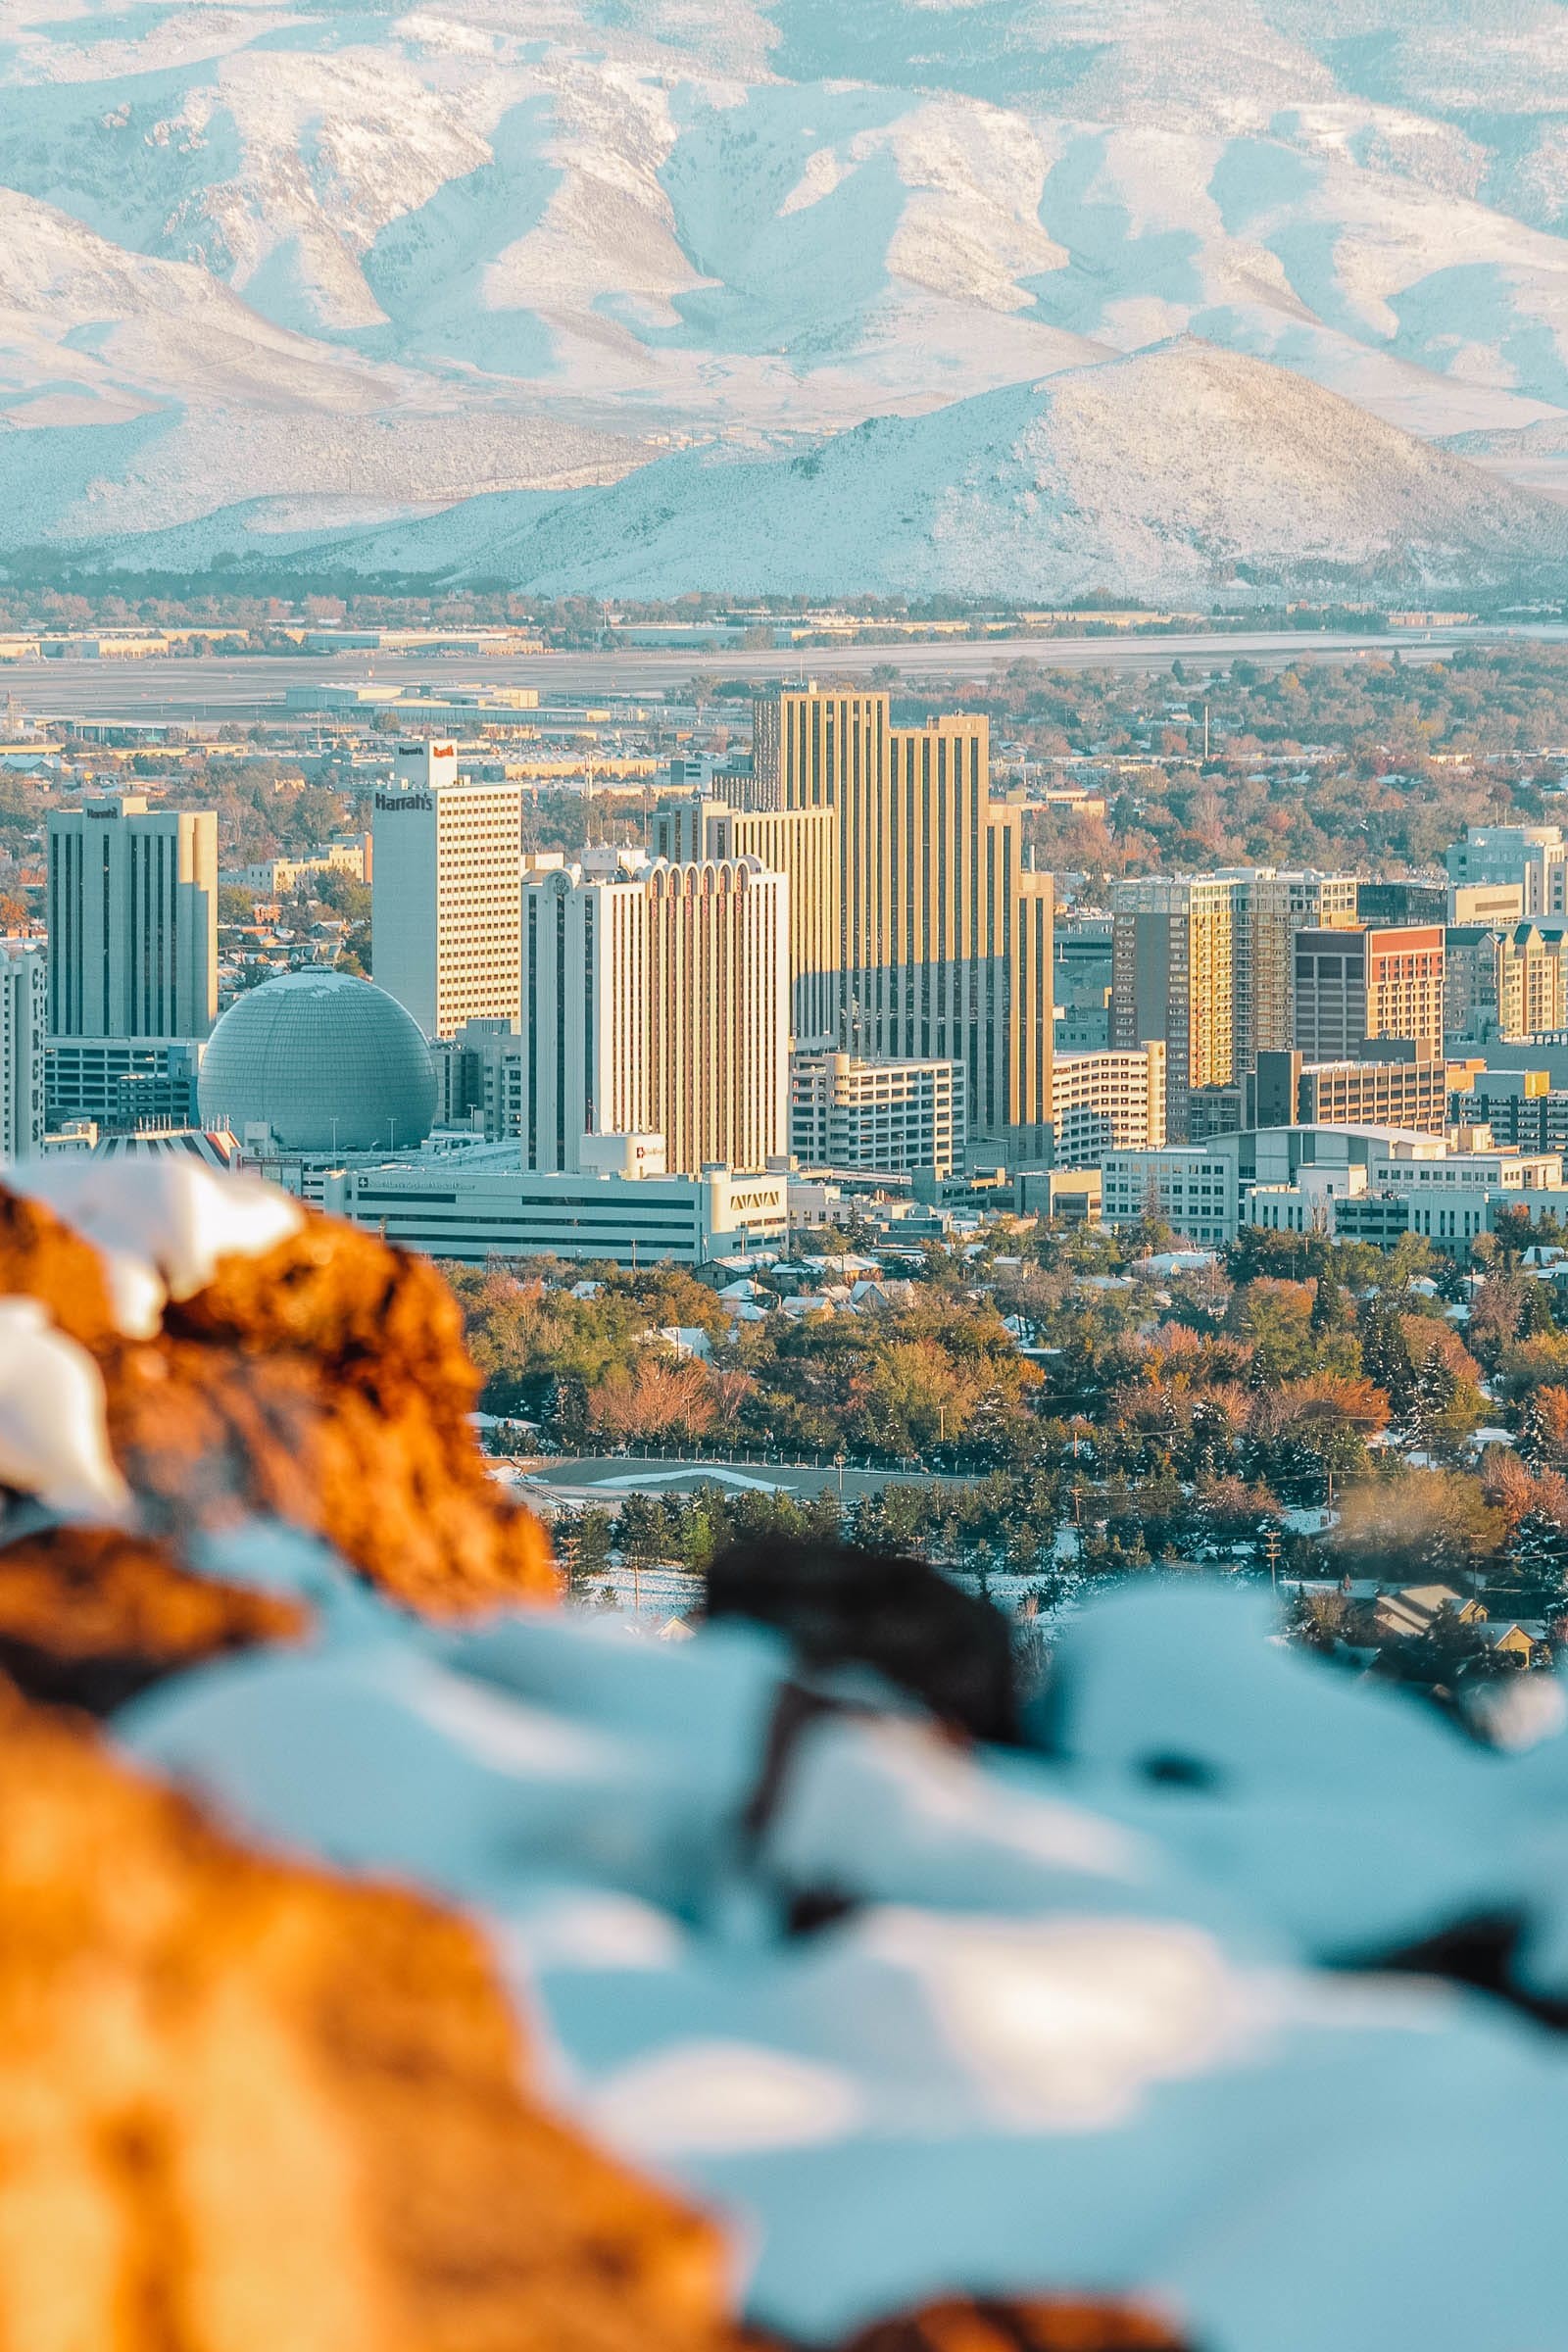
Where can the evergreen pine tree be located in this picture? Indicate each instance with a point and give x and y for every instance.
(1328, 1306)
(1536, 1558)
(1386, 1359)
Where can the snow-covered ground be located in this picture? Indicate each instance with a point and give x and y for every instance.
(318, 269)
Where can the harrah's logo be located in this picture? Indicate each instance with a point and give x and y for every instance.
(393, 802)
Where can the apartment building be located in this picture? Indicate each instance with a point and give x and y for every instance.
(1109, 1101)
(1353, 985)
(1173, 966)
(886, 1117)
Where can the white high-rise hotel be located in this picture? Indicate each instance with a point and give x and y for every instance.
(445, 892)
(658, 1002)
(653, 998)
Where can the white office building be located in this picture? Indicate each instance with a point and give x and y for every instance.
(656, 1002)
(23, 1007)
(446, 894)
(132, 921)
(479, 1204)
(883, 1118)
(1194, 1187)
(1535, 858)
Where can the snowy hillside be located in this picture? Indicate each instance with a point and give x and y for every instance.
(330, 270)
(1182, 472)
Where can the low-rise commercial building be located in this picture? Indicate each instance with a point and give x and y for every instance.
(1400, 1083)
(1192, 1186)
(479, 1204)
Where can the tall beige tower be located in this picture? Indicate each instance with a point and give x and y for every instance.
(944, 937)
(1173, 980)
(446, 893)
(656, 1002)
(801, 844)
(132, 921)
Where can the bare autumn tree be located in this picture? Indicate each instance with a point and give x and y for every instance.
(656, 1399)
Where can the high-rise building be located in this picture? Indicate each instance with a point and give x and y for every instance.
(801, 844)
(24, 1011)
(817, 750)
(658, 1002)
(446, 896)
(1174, 981)
(1271, 907)
(1365, 983)
(132, 921)
(945, 933)
(1507, 982)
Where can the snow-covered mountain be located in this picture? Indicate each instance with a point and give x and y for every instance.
(319, 266)
(1188, 473)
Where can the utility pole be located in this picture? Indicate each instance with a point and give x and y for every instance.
(1271, 1549)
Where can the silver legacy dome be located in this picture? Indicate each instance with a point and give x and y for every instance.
(330, 1062)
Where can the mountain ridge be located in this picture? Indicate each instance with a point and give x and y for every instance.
(251, 256)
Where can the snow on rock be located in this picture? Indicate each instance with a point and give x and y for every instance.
(1255, 1763)
(1069, 2030)
(163, 1225)
(54, 1443)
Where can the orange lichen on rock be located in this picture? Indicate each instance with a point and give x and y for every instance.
(244, 2105)
(90, 1615)
(208, 1433)
(1065, 2325)
(42, 1259)
(377, 1316)
(325, 1383)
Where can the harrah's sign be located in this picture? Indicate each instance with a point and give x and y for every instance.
(394, 801)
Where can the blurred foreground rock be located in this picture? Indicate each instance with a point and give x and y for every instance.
(243, 2106)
